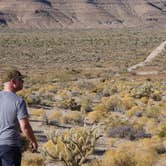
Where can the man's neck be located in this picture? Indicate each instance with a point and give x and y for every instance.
(7, 88)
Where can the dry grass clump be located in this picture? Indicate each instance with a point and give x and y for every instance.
(139, 122)
(127, 132)
(39, 93)
(110, 104)
(65, 100)
(74, 117)
(55, 115)
(37, 113)
(32, 159)
(144, 100)
(135, 111)
(155, 110)
(144, 90)
(29, 158)
(86, 102)
(162, 130)
(113, 103)
(128, 102)
(130, 154)
(96, 116)
(151, 126)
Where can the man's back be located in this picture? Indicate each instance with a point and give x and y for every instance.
(12, 108)
(13, 115)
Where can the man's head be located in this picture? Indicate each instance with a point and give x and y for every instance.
(13, 79)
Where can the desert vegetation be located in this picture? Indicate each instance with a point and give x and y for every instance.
(129, 115)
(117, 48)
(84, 106)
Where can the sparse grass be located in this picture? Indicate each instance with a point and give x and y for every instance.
(38, 50)
(55, 60)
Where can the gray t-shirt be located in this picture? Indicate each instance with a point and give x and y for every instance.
(12, 109)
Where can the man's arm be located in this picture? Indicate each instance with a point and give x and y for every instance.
(28, 132)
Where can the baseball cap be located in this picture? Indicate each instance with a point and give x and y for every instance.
(12, 74)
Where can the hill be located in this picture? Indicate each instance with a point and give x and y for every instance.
(73, 14)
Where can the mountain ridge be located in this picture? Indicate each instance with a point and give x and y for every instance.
(72, 14)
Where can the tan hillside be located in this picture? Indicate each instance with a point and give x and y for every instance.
(48, 14)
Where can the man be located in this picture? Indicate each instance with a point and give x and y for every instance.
(13, 116)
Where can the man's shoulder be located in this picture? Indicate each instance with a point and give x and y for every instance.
(12, 96)
(19, 99)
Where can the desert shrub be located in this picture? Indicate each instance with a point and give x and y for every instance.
(85, 85)
(101, 107)
(96, 116)
(144, 100)
(151, 126)
(25, 93)
(130, 154)
(32, 159)
(145, 90)
(94, 162)
(37, 112)
(155, 143)
(113, 103)
(112, 141)
(109, 90)
(74, 118)
(139, 122)
(33, 99)
(127, 131)
(71, 147)
(99, 112)
(68, 103)
(162, 130)
(39, 95)
(112, 121)
(156, 110)
(47, 99)
(63, 93)
(74, 106)
(52, 88)
(128, 102)
(86, 104)
(152, 112)
(135, 111)
(157, 95)
(162, 114)
(118, 157)
(63, 103)
(55, 117)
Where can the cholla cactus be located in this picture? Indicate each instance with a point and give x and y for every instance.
(72, 147)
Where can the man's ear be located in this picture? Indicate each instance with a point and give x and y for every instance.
(13, 81)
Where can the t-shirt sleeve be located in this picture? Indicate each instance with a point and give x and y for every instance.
(22, 110)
